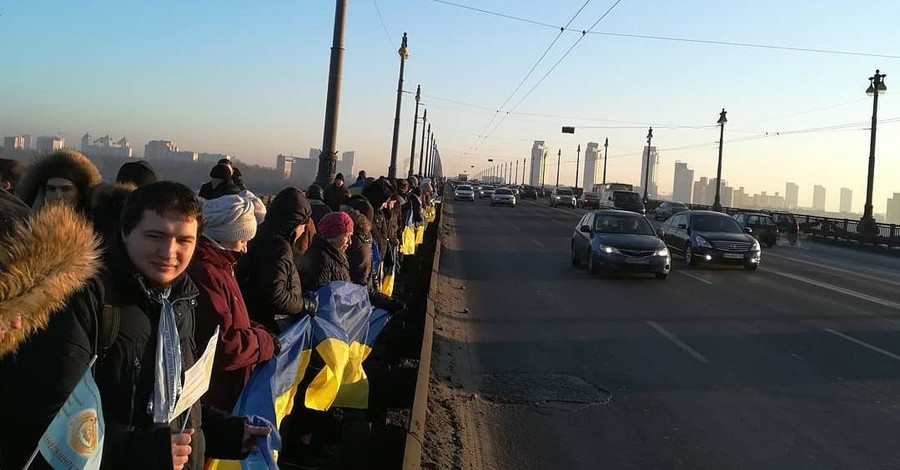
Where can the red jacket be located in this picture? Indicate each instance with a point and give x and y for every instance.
(242, 343)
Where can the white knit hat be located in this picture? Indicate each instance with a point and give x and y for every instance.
(229, 219)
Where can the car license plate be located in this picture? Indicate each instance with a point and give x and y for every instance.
(637, 260)
(733, 255)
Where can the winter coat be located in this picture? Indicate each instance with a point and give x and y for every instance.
(242, 343)
(207, 191)
(68, 164)
(319, 209)
(45, 257)
(323, 263)
(336, 196)
(267, 274)
(381, 231)
(359, 253)
(49, 366)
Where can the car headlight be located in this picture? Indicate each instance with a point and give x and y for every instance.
(700, 241)
(662, 252)
(755, 245)
(608, 249)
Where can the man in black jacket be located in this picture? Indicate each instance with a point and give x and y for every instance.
(145, 294)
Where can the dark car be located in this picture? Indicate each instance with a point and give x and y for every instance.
(787, 225)
(590, 201)
(710, 237)
(622, 200)
(529, 192)
(762, 226)
(615, 240)
(667, 208)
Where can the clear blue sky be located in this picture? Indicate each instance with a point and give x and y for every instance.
(249, 79)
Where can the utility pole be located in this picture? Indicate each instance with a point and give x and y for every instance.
(412, 147)
(868, 227)
(422, 148)
(577, 163)
(328, 157)
(647, 170)
(605, 157)
(404, 53)
(717, 205)
(558, 159)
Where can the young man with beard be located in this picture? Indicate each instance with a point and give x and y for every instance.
(137, 316)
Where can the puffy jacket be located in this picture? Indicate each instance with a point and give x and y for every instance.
(49, 366)
(207, 191)
(336, 196)
(323, 263)
(267, 274)
(242, 342)
(319, 209)
(359, 253)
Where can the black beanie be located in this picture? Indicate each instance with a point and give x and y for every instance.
(139, 173)
(220, 171)
(362, 205)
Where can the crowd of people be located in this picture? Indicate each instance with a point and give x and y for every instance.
(132, 278)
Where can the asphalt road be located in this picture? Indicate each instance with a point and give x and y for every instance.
(793, 366)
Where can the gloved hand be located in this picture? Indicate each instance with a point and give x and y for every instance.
(310, 304)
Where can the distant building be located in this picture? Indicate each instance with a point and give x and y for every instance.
(682, 188)
(538, 162)
(30, 142)
(105, 147)
(345, 166)
(166, 149)
(284, 165)
(653, 177)
(159, 149)
(893, 209)
(701, 191)
(185, 156)
(819, 198)
(212, 158)
(16, 142)
(791, 196)
(49, 144)
(314, 153)
(846, 201)
(592, 166)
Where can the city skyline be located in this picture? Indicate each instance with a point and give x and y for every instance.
(257, 90)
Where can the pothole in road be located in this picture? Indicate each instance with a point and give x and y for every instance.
(551, 392)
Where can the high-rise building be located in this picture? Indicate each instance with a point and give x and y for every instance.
(159, 149)
(345, 166)
(846, 200)
(653, 177)
(284, 164)
(726, 196)
(212, 158)
(592, 166)
(682, 188)
(49, 144)
(105, 147)
(791, 196)
(819, 198)
(538, 160)
(701, 191)
(30, 141)
(893, 209)
(15, 142)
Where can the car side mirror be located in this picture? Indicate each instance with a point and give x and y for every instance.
(748, 229)
(586, 228)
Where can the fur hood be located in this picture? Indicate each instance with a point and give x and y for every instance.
(43, 261)
(67, 164)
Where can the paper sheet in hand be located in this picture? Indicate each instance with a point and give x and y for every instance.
(196, 379)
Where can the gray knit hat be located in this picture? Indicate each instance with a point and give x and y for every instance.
(229, 218)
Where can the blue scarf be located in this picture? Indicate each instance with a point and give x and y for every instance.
(167, 387)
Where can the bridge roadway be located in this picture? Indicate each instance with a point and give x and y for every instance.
(794, 366)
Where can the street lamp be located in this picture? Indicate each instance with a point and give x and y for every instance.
(328, 156)
(577, 162)
(404, 53)
(647, 169)
(605, 157)
(717, 205)
(412, 147)
(558, 158)
(422, 148)
(867, 225)
(516, 181)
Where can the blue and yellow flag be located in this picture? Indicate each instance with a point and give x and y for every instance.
(74, 439)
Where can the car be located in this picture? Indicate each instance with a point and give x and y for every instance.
(667, 208)
(590, 201)
(486, 191)
(562, 197)
(503, 196)
(529, 192)
(787, 225)
(516, 192)
(710, 237)
(614, 240)
(622, 199)
(464, 192)
(762, 226)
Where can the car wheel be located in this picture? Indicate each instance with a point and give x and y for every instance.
(751, 266)
(591, 264)
(662, 276)
(689, 258)
(575, 260)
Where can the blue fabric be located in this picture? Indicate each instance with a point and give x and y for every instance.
(167, 387)
(262, 457)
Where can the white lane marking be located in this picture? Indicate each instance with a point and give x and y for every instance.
(538, 243)
(694, 276)
(840, 270)
(516, 227)
(863, 344)
(851, 293)
(691, 351)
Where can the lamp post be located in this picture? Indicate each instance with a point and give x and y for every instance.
(524, 160)
(717, 205)
(577, 163)
(558, 158)
(404, 53)
(412, 147)
(422, 148)
(328, 156)
(647, 170)
(517, 172)
(543, 170)
(867, 225)
(605, 157)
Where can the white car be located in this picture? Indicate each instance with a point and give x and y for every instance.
(464, 192)
(503, 196)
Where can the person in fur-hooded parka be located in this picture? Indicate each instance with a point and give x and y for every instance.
(107, 201)
(44, 258)
(66, 165)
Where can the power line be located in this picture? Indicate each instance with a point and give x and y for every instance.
(384, 26)
(494, 13)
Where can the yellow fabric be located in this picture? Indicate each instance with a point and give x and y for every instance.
(354, 391)
(430, 214)
(387, 285)
(284, 403)
(408, 241)
(322, 391)
(420, 234)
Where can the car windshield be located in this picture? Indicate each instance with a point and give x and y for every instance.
(626, 196)
(623, 224)
(564, 192)
(503, 191)
(464, 188)
(784, 218)
(715, 223)
(487, 188)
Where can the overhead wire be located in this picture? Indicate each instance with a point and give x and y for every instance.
(383, 25)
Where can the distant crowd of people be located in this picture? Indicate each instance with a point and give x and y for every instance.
(139, 274)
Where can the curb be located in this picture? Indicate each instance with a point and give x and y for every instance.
(415, 434)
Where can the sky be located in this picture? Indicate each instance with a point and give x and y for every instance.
(249, 79)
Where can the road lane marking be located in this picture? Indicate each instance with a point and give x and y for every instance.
(851, 293)
(840, 270)
(863, 344)
(694, 276)
(538, 243)
(691, 351)
(516, 227)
